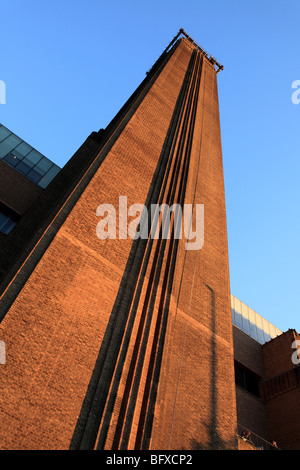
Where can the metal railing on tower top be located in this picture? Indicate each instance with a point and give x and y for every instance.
(183, 33)
(207, 55)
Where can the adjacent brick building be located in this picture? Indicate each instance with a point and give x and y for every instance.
(122, 343)
(267, 369)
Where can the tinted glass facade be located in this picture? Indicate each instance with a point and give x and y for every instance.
(251, 322)
(25, 159)
(8, 219)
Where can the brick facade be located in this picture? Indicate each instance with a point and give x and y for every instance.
(118, 343)
(281, 390)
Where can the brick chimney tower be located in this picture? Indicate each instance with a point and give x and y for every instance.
(115, 341)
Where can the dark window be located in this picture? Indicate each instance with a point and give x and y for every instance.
(8, 219)
(12, 159)
(246, 379)
(35, 175)
(8, 144)
(23, 168)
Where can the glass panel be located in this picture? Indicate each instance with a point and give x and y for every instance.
(17, 154)
(49, 176)
(9, 144)
(44, 164)
(252, 316)
(260, 333)
(245, 320)
(34, 157)
(3, 133)
(23, 149)
(266, 329)
(5, 148)
(34, 176)
(237, 313)
(7, 220)
(253, 332)
(3, 219)
(11, 159)
(237, 305)
(232, 315)
(8, 226)
(23, 168)
(238, 319)
(246, 326)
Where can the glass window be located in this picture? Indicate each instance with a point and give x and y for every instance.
(12, 159)
(26, 162)
(252, 321)
(237, 305)
(266, 329)
(245, 319)
(23, 167)
(260, 332)
(253, 332)
(34, 175)
(23, 149)
(7, 226)
(3, 219)
(49, 176)
(8, 219)
(34, 157)
(9, 144)
(44, 164)
(246, 379)
(4, 133)
(246, 326)
(260, 336)
(17, 154)
(238, 319)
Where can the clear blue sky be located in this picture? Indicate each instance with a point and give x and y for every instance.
(69, 65)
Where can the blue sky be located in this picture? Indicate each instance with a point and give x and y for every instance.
(69, 66)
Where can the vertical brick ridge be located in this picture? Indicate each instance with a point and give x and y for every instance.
(168, 151)
(87, 429)
(192, 363)
(133, 386)
(146, 417)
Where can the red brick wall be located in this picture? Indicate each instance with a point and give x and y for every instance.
(277, 354)
(196, 394)
(251, 412)
(54, 330)
(282, 391)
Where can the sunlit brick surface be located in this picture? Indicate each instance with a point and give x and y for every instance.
(57, 330)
